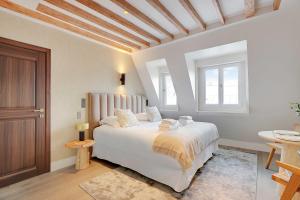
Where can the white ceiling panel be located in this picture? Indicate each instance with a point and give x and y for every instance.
(205, 9)
(152, 13)
(32, 4)
(93, 12)
(175, 7)
(82, 19)
(232, 9)
(263, 3)
(118, 10)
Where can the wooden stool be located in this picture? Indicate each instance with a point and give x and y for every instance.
(273, 146)
(83, 154)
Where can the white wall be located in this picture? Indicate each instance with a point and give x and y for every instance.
(78, 66)
(274, 72)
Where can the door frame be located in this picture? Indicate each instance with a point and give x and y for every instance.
(47, 92)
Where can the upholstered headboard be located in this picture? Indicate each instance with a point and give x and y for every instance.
(102, 105)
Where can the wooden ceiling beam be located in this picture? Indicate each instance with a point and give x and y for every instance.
(80, 12)
(193, 13)
(276, 4)
(108, 13)
(167, 14)
(219, 12)
(36, 15)
(249, 8)
(141, 16)
(76, 22)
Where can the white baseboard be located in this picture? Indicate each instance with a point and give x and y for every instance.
(245, 145)
(59, 164)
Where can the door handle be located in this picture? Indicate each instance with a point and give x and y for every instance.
(42, 110)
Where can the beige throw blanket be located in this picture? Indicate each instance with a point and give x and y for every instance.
(172, 146)
(184, 143)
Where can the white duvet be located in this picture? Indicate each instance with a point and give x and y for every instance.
(132, 147)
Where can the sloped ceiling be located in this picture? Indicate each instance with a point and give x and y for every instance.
(273, 60)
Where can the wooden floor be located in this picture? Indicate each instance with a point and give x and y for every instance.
(63, 184)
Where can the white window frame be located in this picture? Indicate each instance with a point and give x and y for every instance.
(163, 93)
(221, 63)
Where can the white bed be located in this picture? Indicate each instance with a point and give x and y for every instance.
(132, 147)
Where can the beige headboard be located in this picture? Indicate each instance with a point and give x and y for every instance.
(101, 105)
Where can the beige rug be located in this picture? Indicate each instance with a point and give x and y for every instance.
(229, 175)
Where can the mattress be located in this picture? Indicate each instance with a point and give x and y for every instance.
(131, 147)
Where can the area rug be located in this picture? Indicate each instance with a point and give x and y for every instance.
(229, 175)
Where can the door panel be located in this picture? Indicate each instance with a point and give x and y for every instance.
(20, 134)
(24, 127)
(17, 83)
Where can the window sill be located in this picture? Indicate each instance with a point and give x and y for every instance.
(169, 109)
(229, 113)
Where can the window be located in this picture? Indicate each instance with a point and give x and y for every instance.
(231, 85)
(168, 98)
(162, 84)
(212, 86)
(222, 87)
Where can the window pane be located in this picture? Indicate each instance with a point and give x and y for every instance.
(171, 98)
(231, 85)
(212, 86)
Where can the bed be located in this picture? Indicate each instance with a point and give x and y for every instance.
(131, 147)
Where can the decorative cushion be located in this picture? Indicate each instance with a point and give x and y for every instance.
(142, 116)
(153, 114)
(111, 121)
(126, 118)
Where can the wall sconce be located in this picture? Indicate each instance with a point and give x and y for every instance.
(122, 79)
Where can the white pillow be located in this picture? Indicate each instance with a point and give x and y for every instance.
(126, 118)
(153, 114)
(142, 116)
(111, 121)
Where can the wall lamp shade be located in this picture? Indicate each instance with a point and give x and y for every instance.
(122, 79)
(81, 127)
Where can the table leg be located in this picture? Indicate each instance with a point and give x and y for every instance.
(82, 159)
(289, 155)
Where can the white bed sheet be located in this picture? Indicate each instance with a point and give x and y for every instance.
(132, 148)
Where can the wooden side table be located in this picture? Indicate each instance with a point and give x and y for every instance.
(83, 154)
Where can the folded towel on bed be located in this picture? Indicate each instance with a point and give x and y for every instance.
(186, 117)
(185, 122)
(168, 128)
(168, 125)
(169, 121)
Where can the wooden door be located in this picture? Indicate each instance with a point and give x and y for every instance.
(24, 111)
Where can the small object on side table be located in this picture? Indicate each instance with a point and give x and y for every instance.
(297, 127)
(81, 127)
(83, 154)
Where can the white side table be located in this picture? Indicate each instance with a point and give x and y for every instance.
(289, 152)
